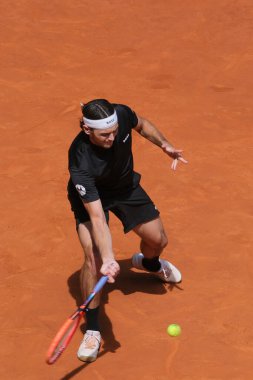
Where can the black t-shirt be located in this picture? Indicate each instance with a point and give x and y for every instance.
(97, 172)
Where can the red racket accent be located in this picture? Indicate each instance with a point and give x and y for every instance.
(62, 339)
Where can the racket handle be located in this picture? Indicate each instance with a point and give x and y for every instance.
(100, 284)
(96, 289)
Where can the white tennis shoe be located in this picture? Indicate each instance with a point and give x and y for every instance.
(89, 348)
(167, 273)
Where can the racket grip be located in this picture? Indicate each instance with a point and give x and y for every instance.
(100, 284)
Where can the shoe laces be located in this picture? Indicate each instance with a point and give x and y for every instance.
(166, 271)
(90, 341)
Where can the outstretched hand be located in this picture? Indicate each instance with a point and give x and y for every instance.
(175, 154)
(111, 269)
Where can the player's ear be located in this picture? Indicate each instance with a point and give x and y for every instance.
(86, 129)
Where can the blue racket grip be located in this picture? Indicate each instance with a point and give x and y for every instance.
(96, 289)
(103, 280)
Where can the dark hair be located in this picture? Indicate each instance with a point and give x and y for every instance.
(97, 109)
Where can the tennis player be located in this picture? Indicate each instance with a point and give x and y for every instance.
(102, 179)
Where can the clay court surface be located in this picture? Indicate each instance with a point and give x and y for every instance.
(186, 66)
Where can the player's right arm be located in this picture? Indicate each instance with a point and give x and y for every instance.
(102, 238)
(83, 180)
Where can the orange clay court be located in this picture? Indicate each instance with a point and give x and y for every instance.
(186, 66)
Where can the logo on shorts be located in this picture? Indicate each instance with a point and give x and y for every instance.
(81, 190)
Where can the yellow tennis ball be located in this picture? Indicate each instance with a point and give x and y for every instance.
(174, 330)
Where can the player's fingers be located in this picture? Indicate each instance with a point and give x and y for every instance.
(174, 164)
(111, 279)
(114, 272)
(114, 266)
(178, 150)
(111, 270)
(110, 276)
(183, 160)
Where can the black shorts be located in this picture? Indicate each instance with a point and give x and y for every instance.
(132, 209)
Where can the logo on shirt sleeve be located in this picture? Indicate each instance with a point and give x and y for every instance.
(81, 190)
(126, 138)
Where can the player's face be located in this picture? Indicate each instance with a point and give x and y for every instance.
(104, 137)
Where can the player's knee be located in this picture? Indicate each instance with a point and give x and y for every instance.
(163, 241)
(159, 243)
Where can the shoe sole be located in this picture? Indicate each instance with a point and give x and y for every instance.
(87, 359)
(169, 282)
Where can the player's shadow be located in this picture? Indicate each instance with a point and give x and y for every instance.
(127, 282)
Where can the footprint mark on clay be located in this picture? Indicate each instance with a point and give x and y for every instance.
(173, 352)
(70, 109)
(221, 88)
(160, 81)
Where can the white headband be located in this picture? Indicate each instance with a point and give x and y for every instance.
(108, 122)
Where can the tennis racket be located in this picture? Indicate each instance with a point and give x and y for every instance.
(66, 332)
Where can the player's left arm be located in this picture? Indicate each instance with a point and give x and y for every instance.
(146, 129)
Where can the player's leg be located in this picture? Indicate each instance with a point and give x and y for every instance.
(138, 213)
(153, 241)
(89, 347)
(90, 274)
(90, 271)
(153, 238)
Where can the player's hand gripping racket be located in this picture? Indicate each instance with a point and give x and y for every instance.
(64, 335)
